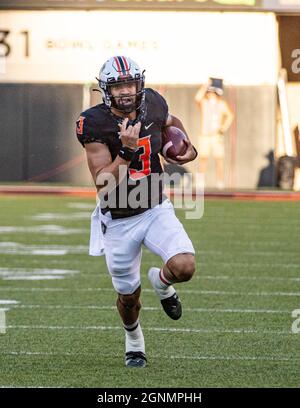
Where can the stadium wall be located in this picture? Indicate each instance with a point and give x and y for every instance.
(39, 142)
(37, 133)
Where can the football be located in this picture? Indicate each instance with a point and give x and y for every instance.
(173, 143)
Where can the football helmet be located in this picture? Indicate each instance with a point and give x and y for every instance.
(118, 70)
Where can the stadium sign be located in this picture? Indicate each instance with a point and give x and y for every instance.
(70, 46)
(131, 4)
(282, 5)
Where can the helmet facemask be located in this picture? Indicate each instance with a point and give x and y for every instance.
(117, 71)
(126, 102)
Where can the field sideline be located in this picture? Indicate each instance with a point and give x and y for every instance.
(63, 329)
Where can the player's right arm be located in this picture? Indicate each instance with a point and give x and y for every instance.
(200, 94)
(100, 162)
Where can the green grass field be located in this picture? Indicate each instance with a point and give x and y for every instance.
(236, 328)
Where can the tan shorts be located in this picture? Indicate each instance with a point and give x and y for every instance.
(211, 145)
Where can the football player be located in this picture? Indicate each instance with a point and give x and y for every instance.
(126, 130)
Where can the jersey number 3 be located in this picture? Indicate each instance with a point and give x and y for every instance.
(144, 157)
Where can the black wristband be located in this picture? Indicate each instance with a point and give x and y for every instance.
(126, 153)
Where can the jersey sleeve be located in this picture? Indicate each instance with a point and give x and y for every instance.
(160, 107)
(164, 108)
(87, 131)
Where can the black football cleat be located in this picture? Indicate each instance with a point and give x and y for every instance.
(135, 359)
(172, 306)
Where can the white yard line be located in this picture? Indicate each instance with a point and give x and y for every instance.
(23, 249)
(148, 308)
(61, 216)
(239, 252)
(33, 278)
(40, 271)
(43, 229)
(34, 274)
(16, 248)
(246, 264)
(217, 277)
(8, 302)
(192, 357)
(182, 291)
(255, 278)
(152, 329)
(82, 206)
(241, 358)
(29, 386)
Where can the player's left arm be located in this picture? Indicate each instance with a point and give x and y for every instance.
(191, 152)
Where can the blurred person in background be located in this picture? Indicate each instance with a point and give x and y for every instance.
(216, 118)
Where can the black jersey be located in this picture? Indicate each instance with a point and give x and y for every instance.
(142, 188)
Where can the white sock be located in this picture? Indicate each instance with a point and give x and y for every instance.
(163, 287)
(134, 337)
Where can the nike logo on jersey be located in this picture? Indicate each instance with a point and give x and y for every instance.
(147, 127)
